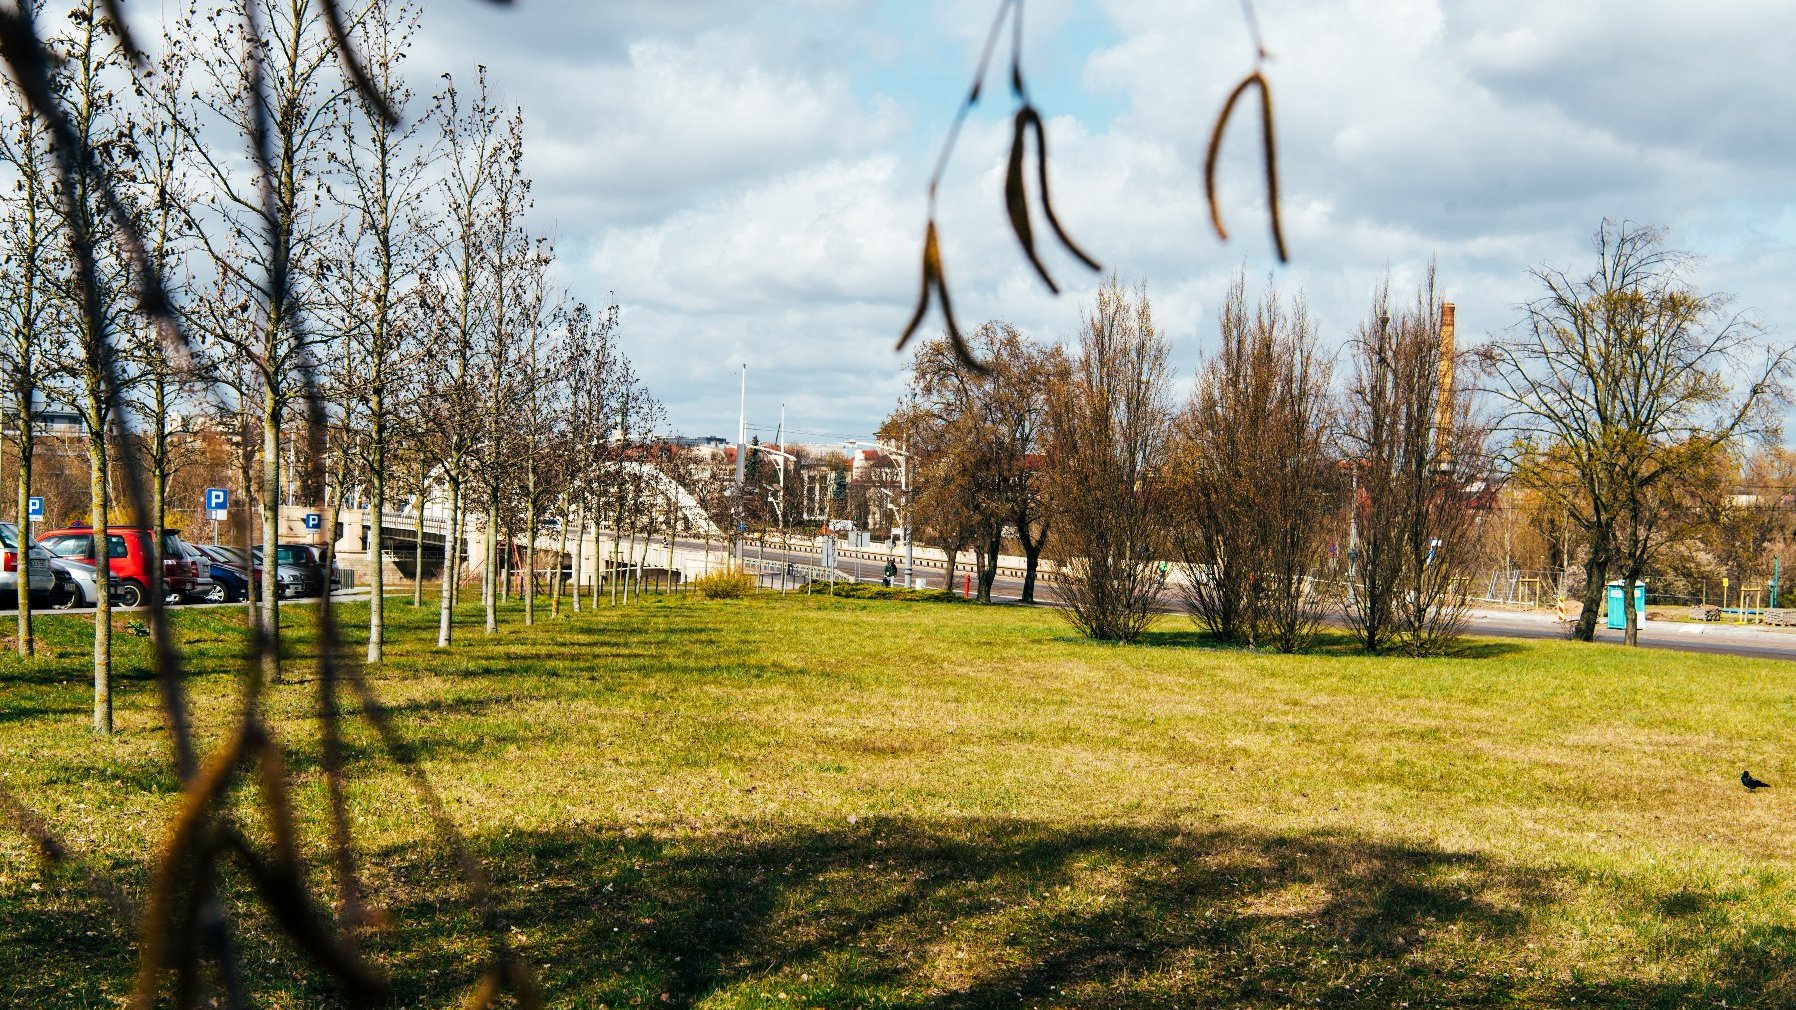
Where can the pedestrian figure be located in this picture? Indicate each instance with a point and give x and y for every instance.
(891, 570)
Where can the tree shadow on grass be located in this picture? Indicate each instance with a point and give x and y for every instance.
(1327, 642)
(1001, 913)
(953, 915)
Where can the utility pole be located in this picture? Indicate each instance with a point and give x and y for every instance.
(910, 557)
(741, 461)
(780, 437)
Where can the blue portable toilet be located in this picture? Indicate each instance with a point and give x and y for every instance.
(1617, 615)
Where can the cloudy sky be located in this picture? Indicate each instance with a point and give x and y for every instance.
(749, 177)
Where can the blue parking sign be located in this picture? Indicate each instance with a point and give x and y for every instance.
(314, 521)
(34, 510)
(217, 499)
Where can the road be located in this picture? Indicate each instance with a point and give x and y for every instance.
(1719, 639)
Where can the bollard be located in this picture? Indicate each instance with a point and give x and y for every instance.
(966, 589)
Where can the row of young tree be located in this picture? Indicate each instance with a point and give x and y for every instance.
(1298, 482)
(387, 261)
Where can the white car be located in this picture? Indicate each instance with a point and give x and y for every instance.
(39, 580)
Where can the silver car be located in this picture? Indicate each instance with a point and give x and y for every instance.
(39, 580)
(78, 584)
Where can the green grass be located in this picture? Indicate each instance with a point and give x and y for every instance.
(813, 802)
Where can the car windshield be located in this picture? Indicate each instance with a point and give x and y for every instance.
(9, 535)
(293, 555)
(172, 546)
(229, 555)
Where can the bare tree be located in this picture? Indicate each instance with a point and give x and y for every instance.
(383, 166)
(1108, 426)
(978, 443)
(457, 293)
(96, 295)
(261, 231)
(506, 260)
(541, 387)
(33, 326)
(1619, 386)
(1419, 466)
(159, 407)
(1253, 469)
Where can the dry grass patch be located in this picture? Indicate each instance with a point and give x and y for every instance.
(796, 802)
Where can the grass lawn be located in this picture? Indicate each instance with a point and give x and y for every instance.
(800, 802)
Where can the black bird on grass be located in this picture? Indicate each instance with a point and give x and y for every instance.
(1752, 784)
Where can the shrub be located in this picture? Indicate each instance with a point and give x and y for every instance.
(727, 584)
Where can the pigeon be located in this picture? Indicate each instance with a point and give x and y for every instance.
(1752, 784)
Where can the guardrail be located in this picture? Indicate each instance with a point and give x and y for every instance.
(1006, 571)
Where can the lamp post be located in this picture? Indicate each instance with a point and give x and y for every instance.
(781, 458)
(904, 489)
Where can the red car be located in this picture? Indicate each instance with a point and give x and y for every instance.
(126, 549)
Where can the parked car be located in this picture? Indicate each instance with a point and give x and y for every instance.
(238, 564)
(198, 566)
(230, 582)
(128, 560)
(40, 582)
(75, 584)
(302, 565)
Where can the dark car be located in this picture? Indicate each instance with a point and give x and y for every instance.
(302, 565)
(233, 569)
(228, 585)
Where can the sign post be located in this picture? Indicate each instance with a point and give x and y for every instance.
(218, 507)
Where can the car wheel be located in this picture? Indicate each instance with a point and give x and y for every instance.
(131, 595)
(218, 594)
(72, 601)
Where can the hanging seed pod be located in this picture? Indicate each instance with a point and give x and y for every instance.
(1015, 197)
(1253, 80)
(933, 280)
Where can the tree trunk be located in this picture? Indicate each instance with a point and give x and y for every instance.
(271, 528)
(377, 579)
(26, 641)
(96, 461)
(246, 463)
(567, 518)
(579, 555)
(159, 504)
(508, 561)
(642, 558)
(1031, 559)
(1628, 582)
(451, 565)
(988, 566)
(459, 536)
(1596, 577)
(617, 538)
(418, 536)
(490, 578)
(528, 587)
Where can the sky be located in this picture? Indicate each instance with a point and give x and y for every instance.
(749, 178)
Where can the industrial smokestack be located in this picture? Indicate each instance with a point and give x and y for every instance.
(1443, 410)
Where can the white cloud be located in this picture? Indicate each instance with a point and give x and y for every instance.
(749, 180)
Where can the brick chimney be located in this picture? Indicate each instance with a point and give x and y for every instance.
(1443, 410)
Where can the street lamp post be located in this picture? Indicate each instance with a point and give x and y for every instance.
(910, 557)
